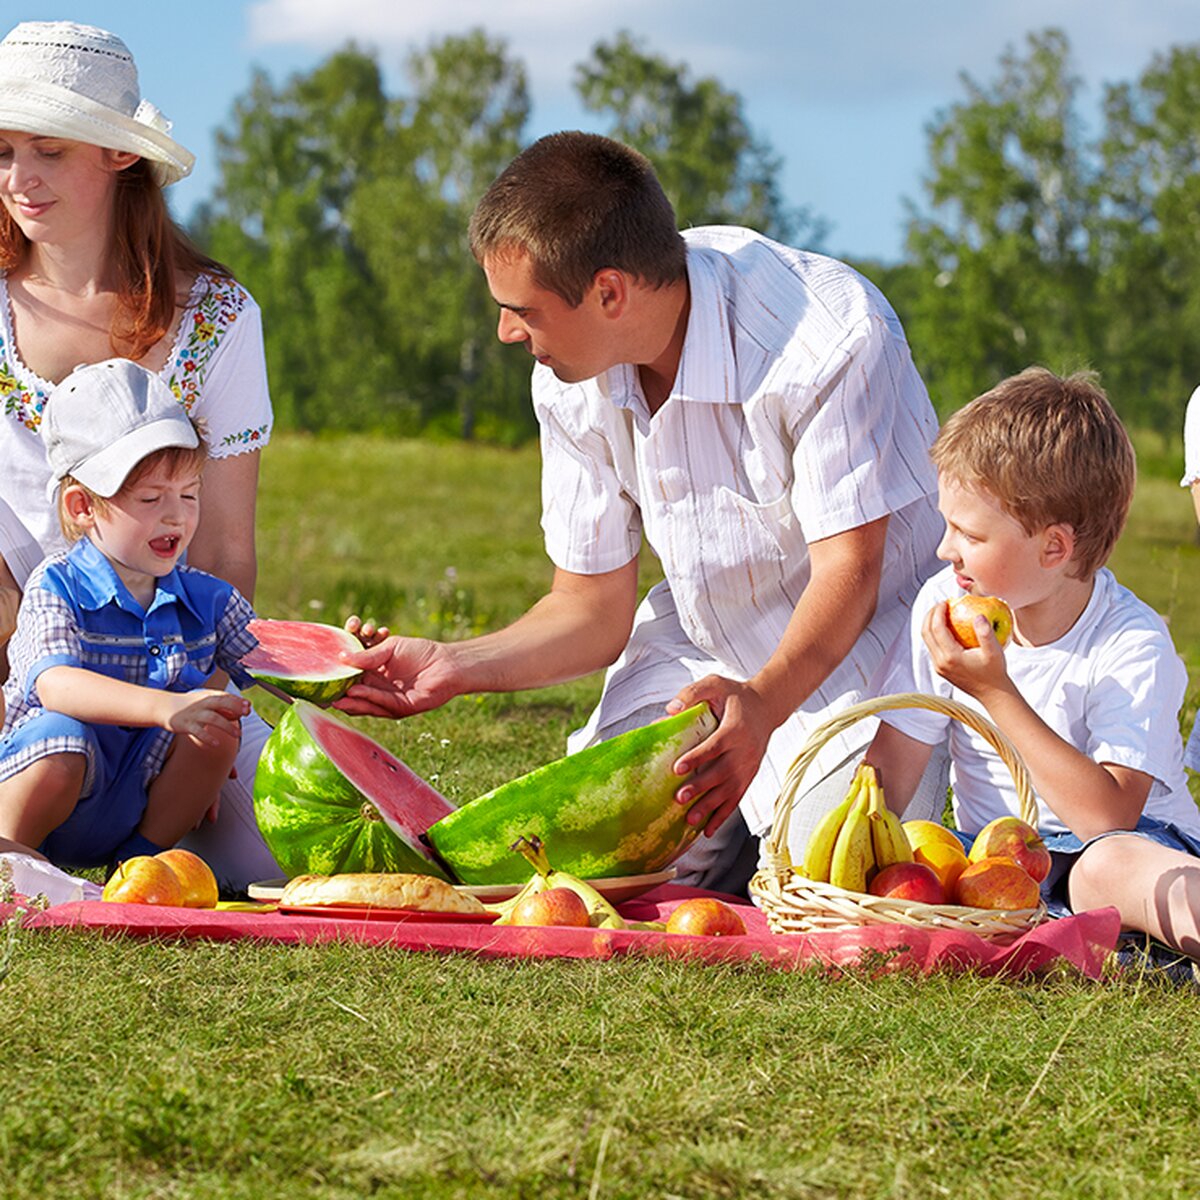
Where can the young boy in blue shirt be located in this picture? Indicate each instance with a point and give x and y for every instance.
(1035, 481)
(112, 744)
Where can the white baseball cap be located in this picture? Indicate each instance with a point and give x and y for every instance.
(104, 418)
(59, 79)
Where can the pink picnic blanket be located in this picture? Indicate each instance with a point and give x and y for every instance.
(1084, 940)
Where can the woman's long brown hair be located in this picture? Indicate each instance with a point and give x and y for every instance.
(150, 255)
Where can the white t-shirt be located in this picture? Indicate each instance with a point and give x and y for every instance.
(216, 368)
(1111, 686)
(796, 414)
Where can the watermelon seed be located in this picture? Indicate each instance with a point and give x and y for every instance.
(369, 812)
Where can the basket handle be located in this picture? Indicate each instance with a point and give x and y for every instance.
(777, 855)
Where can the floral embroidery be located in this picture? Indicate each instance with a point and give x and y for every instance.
(216, 312)
(246, 437)
(218, 309)
(25, 405)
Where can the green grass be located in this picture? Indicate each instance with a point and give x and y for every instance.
(143, 1069)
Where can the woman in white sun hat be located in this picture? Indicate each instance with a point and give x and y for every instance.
(91, 267)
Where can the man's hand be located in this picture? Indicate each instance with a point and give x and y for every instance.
(728, 759)
(204, 717)
(978, 671)
(367, 632)
(401, 676)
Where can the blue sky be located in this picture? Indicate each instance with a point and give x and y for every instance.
(843, 92)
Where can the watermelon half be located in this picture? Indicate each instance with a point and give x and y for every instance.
(329, 799)
(300, 659)
(608, 810)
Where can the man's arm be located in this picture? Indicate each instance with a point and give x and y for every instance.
(834, 609)
(581, 625)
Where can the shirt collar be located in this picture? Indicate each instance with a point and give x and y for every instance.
(707, 371)
(98, 584)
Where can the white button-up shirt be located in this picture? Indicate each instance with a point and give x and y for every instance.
(796, 414)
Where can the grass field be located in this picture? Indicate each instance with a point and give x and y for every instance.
(139, 1069)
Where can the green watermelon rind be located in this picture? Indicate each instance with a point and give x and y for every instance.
(606, 811)
(321, 691)
(314, 820)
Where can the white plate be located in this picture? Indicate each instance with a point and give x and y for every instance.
(617, 889)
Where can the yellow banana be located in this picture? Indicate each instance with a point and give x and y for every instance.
(818, 854)
(853, 858)
(601, 914)
(888, 839)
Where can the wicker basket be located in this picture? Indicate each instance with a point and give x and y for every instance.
(794, 904)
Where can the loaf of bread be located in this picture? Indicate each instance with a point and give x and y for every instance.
(422, 893)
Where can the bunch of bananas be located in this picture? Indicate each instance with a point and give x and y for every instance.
(601, 914)
(857, 838)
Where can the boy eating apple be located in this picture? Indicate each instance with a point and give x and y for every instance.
(1035, 480)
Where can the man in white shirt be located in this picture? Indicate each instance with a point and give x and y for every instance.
(754, 413)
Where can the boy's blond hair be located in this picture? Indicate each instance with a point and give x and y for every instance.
(1051, 451)
(176, 460)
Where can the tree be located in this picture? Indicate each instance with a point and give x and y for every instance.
(345, 212)
(1147, 239)
(463, 125)
(714, 169)
(1003, 250)
(289, 168)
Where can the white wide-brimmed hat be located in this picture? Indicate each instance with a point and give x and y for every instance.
(104, 418)
(59, 79)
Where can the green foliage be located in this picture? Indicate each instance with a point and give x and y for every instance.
(1040, 245)
(1002, 258)
(344, 211)
(712, 166)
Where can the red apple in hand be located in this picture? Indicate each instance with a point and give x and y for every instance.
(908, 881)
(706, 917)
(143, 880)
(1010, 837)
(554, 906)
(962, 612)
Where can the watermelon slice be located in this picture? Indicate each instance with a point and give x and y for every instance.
(329, 799)
(608, 810)
(300, 659)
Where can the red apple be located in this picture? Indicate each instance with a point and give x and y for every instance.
(143, 880)
(198, 882)
(1010, 837)
(554, 906)
(705, 917)
(908, 881)
(963, 611)
(996, 883)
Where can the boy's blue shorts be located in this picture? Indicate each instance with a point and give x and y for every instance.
(121, 764)
(1065, 848)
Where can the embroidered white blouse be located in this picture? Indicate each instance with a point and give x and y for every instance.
(216, 368)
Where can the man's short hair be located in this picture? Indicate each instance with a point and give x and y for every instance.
(577, 203)
(1051, 451)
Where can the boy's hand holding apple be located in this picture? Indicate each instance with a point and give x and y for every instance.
(975, 670)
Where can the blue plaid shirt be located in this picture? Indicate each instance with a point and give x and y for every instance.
(76, 612)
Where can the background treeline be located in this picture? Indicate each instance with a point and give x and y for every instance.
(344, 210)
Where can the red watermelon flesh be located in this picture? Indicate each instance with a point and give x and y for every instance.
(407, 803)
(300, 658)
